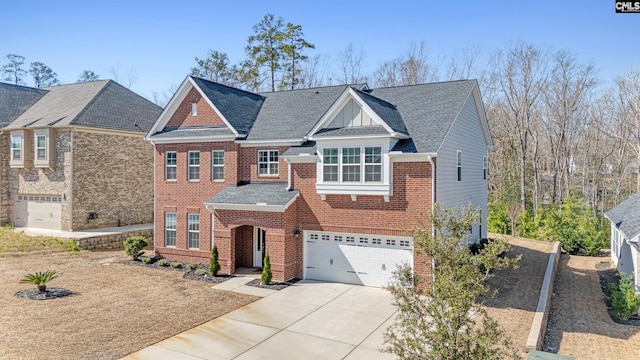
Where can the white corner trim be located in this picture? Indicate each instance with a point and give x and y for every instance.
(386, 198)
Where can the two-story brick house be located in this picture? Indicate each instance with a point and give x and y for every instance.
(73, 157)
(327, 180)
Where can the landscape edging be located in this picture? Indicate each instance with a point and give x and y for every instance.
(540, 318)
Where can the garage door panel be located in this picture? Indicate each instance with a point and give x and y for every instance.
(38, 211)
(356, 259)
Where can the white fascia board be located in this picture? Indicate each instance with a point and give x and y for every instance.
(171, 107)
(226, 122)
(482, 114)
(350, 137)
(302, 158)
(410, 157)
(276, 142)
(194, 139)
(348, 94)
(252, 207)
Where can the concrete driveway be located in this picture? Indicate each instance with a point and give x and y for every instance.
(310, 320)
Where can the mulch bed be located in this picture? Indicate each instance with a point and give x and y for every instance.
(608, 275)
(273, 285)
(191, 275)
(188, 273)
(50, 293)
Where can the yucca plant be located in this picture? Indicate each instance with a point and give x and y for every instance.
(40, 279)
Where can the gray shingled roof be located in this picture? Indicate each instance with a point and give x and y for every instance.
(308, 147)
(626, 216)
(427, 110)
(387, 112)
(15, 100)
(254, 194)
(352, 131)
(292, 114)
(239, 107)
(102, 104)
(192, 131)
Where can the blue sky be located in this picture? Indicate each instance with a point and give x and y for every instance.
(159, 39)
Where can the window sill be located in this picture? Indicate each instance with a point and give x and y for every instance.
(170, 246)
(354, 189)
(194, 181)
(269, 175)
(218, 181)
(171, 180)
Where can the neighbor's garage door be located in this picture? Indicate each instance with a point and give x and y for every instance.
(41, 211)
(354, 258)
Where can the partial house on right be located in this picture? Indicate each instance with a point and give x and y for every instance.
(625, 233)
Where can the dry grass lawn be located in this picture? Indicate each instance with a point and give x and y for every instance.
(519, 289)
(579, 324)
(116, 309)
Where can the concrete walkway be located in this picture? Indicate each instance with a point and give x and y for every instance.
(308, 320)
(83, 233)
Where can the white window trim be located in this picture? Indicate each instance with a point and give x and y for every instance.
(459, 166)
(189, 165)
(383, 187)
(21, 137)
(269, 162)
(45, 148)
(167, 229)
(213, 166)
(484, 168)
(362, 165)
(194, 109)
(167, 166)
(189, 231)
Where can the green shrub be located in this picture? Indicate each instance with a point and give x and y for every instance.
(163, 262)
(176, 265)
(201, 272)
(214, 265)
(498, 219)
(192, 266)
(266, 271)
(9, 226)
(133, 246)
(40, 279)
(624, 299)
(146, 260)
(527, 225)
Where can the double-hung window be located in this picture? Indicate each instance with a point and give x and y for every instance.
(217, 165)
(330, 165)
(351, 164)
(193, 165)
(268, 162)
(170, 222)
(170, 163)
(41, 147)
(459, 165)
(193, 231)
(372, 164)
(16, 147)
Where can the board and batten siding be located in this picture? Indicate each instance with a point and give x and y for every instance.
(465, 135)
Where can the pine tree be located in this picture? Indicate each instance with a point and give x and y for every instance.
(214, 265)
(266, 271)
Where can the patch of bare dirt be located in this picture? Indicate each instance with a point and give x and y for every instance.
(519, 289)
(114, 309)
(579, 324)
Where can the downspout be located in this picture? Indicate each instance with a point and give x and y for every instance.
(433, 231)
(288, 174)
(70, 190)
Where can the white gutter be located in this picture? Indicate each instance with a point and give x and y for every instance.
(433, 231)
(288, 174)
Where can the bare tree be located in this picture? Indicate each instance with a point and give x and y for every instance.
(127, 80)
(350, 64)
(409, 69)
(315, 72)
(162, 98)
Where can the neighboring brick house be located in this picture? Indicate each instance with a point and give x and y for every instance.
(327, 180)
(73, 157)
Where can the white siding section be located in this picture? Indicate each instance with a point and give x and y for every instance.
(466, 136)
(351, 115)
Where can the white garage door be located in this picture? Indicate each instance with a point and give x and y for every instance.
(354, 258)
(38, 211)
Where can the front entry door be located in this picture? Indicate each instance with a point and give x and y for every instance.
(258, 246)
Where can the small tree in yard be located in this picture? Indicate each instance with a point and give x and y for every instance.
(266, 271)
(133, 246)
(624, 299)
(450, 321)
(214, 265)
(40, 279)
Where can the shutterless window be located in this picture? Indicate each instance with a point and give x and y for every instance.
(217, 165)
(351, 164)
(459, 165)
(484, 168)
(170, 220)
(268, 162)
(170, 162)
(330, 164)
(194, 165)
(41, 147)
(194, 109)
(372, 164)
(193, 232)
(16, 148)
